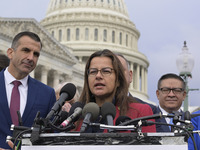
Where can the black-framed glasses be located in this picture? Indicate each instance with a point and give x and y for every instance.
(104, 71)
(174, 90)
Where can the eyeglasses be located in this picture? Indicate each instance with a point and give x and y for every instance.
(174, 90)
(104, 71)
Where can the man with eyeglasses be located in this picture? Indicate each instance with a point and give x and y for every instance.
(170, 93)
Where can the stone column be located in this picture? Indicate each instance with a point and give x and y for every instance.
(131, 67)
(137, 81)
(56, 77)
(146, 81)
(32, 74)
(44, 74)
(142, 79)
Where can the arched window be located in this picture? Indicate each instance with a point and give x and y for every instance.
(86, 34)
(77, 33)
(105, 35)
(113, 36)
(68, 35)
(96, 34)
(126, 39)
(120, 38)
(60, 35)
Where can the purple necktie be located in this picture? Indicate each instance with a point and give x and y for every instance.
(15, 102)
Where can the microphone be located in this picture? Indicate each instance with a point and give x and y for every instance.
(108, 112)
(67, 93)
(194, 115)
(90, 113)
(74, 114)
(62, 116)
(122, 119)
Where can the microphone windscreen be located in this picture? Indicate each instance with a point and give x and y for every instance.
(92, 108)
(121, 119)
(70, 89)
(108, 108)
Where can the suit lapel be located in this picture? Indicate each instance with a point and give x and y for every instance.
(3, 98)
(162, 128)
(31, 97)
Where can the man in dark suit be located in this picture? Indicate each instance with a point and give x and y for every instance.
(128, 74)
(170, 93)
(34, 95)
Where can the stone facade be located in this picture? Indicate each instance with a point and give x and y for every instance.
(55, 65)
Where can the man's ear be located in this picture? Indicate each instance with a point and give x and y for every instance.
(10, 53)
(157, 93)
(131, 75)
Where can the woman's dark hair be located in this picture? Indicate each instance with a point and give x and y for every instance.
(121, 89)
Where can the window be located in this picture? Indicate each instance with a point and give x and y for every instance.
(68, 34)
(96, 34)
(114, 2)
(77, 33)
(105, 35)
(86, 34)
(126, 39)
(52, 33)
(60, 35)
(113, 36)
(120, 38)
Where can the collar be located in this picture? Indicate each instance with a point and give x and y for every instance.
(9, 78)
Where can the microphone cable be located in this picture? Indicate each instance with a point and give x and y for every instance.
(18, 136)
(189, 134)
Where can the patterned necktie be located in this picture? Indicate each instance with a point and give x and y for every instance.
(15, 102)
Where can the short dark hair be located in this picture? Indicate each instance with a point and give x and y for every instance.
(15, 42)
(4, 61)
(171, 76)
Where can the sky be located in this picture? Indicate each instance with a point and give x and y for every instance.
(164, 25)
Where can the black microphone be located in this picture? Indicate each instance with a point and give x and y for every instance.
(67, 93)
(194, 115)
(74, 114)
(108, 112)
(122, 119)
(90, 113)
(62, 116)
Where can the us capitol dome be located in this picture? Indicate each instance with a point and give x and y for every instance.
(90, 25)
(71, 31)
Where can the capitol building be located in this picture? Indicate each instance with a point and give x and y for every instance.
(74, 29)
